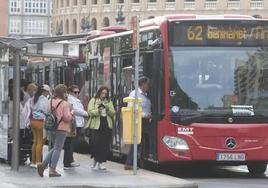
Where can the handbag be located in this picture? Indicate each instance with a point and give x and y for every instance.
(73, 128)
(87, 132)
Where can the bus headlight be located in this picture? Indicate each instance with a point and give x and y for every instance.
(175, 143)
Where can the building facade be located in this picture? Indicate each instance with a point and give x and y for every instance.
(70, 16)
(29, 18)
(4, 18)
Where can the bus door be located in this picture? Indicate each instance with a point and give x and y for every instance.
(4, 107)
(152, 66)
(116, 97)
(93, 68)
(125, 86)
(39, 75)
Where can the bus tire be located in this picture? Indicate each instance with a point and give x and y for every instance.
(257, 168)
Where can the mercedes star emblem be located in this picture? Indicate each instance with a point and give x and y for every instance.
(230, 143)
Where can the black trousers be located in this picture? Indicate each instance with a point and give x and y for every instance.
(68, 152)
(101, 139)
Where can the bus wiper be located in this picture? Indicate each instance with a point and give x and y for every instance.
(191, 118)
(239, 111)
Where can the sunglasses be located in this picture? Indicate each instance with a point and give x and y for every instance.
(76, 92)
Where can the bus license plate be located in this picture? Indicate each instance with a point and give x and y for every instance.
(231, 157)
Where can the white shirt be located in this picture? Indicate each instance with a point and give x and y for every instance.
(145, 104)
(79, 112)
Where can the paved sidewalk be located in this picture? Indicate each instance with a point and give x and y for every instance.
(82, 177)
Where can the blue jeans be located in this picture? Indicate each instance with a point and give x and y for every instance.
(57, 139)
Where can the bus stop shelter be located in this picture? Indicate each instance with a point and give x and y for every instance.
(11, 52)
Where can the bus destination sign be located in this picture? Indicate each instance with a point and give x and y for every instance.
(224, 33)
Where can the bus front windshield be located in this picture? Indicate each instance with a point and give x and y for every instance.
(218, 80)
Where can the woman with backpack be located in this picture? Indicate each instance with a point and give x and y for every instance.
(39, 109)
(64, 116)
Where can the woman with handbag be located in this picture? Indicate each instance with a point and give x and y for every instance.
(101, 112)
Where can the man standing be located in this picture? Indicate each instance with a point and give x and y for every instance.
(144, 86)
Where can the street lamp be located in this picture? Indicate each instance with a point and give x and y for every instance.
(59, 29)
(85, 25)
(120, 17)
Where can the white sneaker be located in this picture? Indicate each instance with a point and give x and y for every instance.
(100, 167)
(32, 165)
(74, 164)
(94, 164)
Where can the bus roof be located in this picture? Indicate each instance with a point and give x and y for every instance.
(113, 31)
(158, 20)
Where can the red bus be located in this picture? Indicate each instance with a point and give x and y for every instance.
(209, 87)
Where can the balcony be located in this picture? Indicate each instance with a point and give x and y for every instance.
(68, 10)
(107, 7)
(151, 6)
(135, 6)
(189, 5)
(57, 11)
(211, 5)
(84, 9)
(62, 11)
(94, 8)
(75, 10)
(170, 5)
(256, 4)
(233, 4)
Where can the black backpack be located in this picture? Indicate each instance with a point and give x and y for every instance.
(51, 122)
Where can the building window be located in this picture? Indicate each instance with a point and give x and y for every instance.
(210, 4)
(94, 24)
(152, 1)
(233, 4)
(74, 2)
(67, 27)
(84, 2)
(35, 6)
(170, 0)
(106, 22)
(120, 1)
(15, 26)
(34, 26)
(74, 27)
(94, 2)
(135, 1)
(67, 3)
(106, 2)
(15, 6)
(256, 4)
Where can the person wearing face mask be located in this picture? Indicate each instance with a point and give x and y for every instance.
(39, 109)
(101, 112)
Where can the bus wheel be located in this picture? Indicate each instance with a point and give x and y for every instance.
(257, 168)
